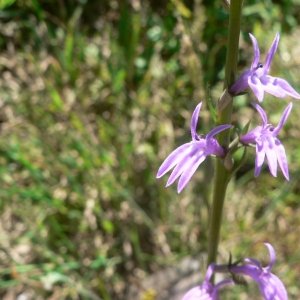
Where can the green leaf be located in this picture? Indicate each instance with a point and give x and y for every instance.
(239, 163)
(5, 3)
(246, 128)
(182, 9)
(108, 226)
(56, 99)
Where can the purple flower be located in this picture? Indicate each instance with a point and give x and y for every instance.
(257, 77)
(267, 144)
(270, 285)
(206, 291)
(189, 156)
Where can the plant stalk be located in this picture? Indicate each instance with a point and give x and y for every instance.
(222, 175)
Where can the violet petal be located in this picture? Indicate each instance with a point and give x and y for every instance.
(217, 130)
(284, 117)
(261, 112)
(194, 121)
(256, 52)
(189, 171)
(260, 157)
(257, 87)
(269, 146)
(173, 159)
(271, 53)
(185, 163)
(281, 158)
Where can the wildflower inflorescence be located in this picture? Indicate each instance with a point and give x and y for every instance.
(186, 159)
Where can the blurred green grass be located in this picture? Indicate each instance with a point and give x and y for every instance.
(94, 95)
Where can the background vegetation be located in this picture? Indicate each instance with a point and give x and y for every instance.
(94, 95)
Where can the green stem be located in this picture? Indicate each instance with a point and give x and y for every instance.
(222, 175)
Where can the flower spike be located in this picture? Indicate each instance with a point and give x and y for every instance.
(267, 144)
(186, 159)
(257, 77)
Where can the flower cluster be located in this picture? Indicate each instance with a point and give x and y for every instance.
(186, 159)
(271, 287)
(265, 137)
